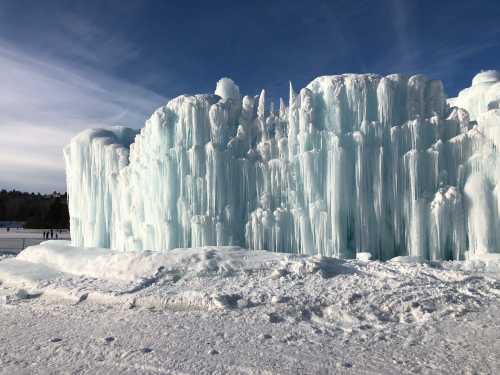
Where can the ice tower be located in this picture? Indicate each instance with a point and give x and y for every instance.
(353, 163)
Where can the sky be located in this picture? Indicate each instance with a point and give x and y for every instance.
(70, 65)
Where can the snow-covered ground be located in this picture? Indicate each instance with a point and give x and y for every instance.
(16, 239)
(230, 310)
(29, 233)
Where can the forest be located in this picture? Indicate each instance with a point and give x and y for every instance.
(34, 209)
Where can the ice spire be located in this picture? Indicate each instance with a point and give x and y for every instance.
(261, 109)
(292, 97)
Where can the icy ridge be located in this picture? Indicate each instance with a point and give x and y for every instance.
(354, 163)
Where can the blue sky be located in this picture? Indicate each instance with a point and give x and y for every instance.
(69, 65)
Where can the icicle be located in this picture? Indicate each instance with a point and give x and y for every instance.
(355, 163)
(283, 110)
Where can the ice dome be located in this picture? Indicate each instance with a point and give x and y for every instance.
(483, 95)
(486, 76)
(227, 89)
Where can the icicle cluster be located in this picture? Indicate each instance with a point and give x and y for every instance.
(354, 163)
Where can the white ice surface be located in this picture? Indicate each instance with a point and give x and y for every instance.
(355, 163)
(484, 94)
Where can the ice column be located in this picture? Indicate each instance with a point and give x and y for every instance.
(354, 162)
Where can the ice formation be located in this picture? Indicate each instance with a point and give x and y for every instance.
(354, 163)
(483, 95)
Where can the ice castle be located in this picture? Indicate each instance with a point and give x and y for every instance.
(352, 163)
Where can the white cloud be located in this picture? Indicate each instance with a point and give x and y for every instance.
(44, 103)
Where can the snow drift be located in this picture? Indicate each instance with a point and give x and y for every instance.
(280, 288)
(354, 163)
(101, 263)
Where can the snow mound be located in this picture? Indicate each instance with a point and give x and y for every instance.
(279, 288)
(408, 260)
(482, 263)
(366, 256)
(130, 266)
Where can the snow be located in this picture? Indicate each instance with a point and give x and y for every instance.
(18, 233)
(484, 94)
(364, 256)
(227, 277)
(231, 310)
(130, 266)
(488, 263)
(15, 240)
(89, 338)
(355, 163)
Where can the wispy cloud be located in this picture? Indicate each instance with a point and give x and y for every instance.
(80, 38)
(405, 43)
(418, 46)
(43, 103)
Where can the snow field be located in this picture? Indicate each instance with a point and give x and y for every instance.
(328, 292)
(231, 310)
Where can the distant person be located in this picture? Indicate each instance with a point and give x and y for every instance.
(51, 234)
(8, 229)
(57, 237)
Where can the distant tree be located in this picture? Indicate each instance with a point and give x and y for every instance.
(57, 215)
(36, 210)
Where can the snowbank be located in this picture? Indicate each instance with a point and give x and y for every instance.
(347, 294)
(130, 266)
(482, 263)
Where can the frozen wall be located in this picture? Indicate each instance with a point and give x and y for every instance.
(93, 159)
(352, 163)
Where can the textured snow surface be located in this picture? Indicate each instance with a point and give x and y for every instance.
(354, 163)
(345, 293)
(114, 265)
(230, 310)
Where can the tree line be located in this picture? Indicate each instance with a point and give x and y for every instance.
(34, 209)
